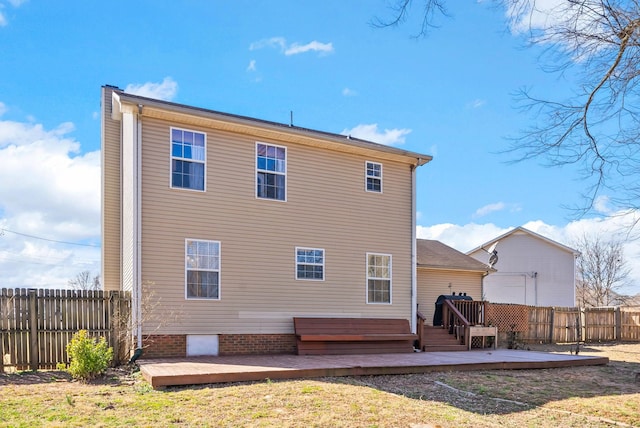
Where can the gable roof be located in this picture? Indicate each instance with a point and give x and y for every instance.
(522, 230)
(436, 255)
(258, 128)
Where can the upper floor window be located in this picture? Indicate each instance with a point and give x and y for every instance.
(188, 159)
(310, 264)
(378, 278)
(373, 175)
(271, 171)
(202, 265)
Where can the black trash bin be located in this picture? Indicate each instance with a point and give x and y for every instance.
(437, 315)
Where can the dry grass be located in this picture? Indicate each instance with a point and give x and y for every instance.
(572, 397)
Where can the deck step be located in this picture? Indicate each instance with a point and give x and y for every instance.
(438, 339)
(443, 348)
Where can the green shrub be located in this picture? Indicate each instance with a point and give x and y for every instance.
(89, 357)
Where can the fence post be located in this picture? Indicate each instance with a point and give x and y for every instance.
(2, 326)
(618, 323)
(553, 324)
(34, 349)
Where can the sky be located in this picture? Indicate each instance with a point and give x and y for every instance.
(449, 95)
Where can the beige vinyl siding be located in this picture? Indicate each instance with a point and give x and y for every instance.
(327, 207)
(432, 283)
(111, 232)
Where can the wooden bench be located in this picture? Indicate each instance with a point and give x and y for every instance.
(321, 336)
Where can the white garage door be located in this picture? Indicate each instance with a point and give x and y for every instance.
(506, 289)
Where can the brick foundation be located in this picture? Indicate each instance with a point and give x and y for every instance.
(243, 344)
(164, 346)
(175, 345)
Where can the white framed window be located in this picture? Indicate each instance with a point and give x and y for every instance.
(378, 278)
(271, 172)
(188, 154)
(310, 264)
(202, 269)
(373, 177)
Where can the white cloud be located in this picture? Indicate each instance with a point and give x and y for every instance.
(547, 21)
(538, 15)
(601, 205)
(495, 207)
(488, 209)
(349, 92)
(166, 90)
(280, 43)
(314, 46)
(3, 17)
(273, 42)
(51, 191)
(477, 103)
(462, 238)
(3, 109)
(252, 65)
(370, 132)
(469, 236)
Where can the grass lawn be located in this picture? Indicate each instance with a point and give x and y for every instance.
(571, 397)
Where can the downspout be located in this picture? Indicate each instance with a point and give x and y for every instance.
(484, 275)
(414, 273)
(138, 227)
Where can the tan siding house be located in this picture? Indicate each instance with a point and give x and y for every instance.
(228, 226)
(442, 270)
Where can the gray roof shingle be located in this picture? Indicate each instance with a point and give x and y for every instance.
(436, 255)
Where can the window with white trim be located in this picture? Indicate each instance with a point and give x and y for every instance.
(188, 159)
(373, 177)
(271, 171)
(378, 278)
(202, 269)
(310, 264)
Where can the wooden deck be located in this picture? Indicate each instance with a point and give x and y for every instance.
(200, 370)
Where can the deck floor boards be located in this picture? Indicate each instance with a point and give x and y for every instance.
(201, 370)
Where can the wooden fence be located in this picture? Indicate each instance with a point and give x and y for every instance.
(37, 324)
(566, 325)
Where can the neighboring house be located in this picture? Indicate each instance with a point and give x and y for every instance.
(225, 227)
(443, 270)
(531, 270)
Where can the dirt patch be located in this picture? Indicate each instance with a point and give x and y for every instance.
(115, 375)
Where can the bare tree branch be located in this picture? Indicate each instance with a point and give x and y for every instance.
(84, 281)
(401, 10)
(594, 47)
(601, 272)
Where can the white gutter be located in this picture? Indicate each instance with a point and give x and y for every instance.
(414, 257)
(138, 225)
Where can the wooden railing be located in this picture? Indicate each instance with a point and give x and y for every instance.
(459, 315)
(471, 310)
(420, 329)
(453, 320)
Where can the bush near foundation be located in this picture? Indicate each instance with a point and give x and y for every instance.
(89, 356)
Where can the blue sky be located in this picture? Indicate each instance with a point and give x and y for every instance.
(449, 95)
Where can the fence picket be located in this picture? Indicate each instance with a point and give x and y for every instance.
(37, 325)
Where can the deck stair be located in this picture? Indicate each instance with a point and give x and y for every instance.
(438, 339)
